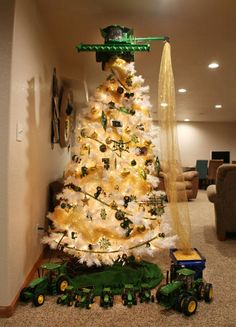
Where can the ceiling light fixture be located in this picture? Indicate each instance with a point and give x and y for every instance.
(182, 90)
(213, 65)
(164, 104)
(186, 119)
(218, 106)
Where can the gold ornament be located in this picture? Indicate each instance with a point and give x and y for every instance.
(83, 132)
(113, 205)
(147, 142)
(138, 258)
(141, 228)
(94, 136)
(108, 140)
(127, 129)
(125, 172)
(118, 66)
(85, 201)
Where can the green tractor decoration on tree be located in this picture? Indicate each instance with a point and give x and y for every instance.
(119, 42)
(52, 280)
(184, 292)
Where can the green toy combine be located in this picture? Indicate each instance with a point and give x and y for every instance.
(119, 41)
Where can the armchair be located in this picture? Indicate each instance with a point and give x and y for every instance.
(222, 195)
(189, 183)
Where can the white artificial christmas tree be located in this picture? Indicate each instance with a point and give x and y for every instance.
(110, 204)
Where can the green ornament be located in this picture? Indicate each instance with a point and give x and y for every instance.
(129, 81)
(157, 166)
(129, 95)
(84, 171)
(73, 235)
(104, 120)
(111, 105)
(103, 214)
(120, 90)
(77, 188)
(104, 243)
(119, 215)
(142, 173)
(134, 138)
(99, 191)
(124, 110)
(132, 112)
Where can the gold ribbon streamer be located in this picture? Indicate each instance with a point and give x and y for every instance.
(170, 159)
(80, 224)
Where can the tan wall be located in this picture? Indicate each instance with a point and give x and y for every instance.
(197, 140)
(32, 164)
(6, 34)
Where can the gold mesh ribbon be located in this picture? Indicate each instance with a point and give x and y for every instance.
(171, 167)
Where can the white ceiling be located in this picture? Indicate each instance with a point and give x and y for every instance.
(200, 31)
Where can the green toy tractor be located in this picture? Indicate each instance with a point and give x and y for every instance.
(52, 280)
(129, 295)
(68, 297)
(145, 294)
(85, 297)
(107, 298)
(184, 292)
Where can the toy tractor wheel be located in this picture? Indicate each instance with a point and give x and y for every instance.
(208, 292)
(38, 299)
(180, 301)
(77, 304)
(189, 305)
(62, 284)
(200, 291)
(158, 293)
(89, 306)
(23, 296)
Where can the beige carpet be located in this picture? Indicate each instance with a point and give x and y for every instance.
(221, 271)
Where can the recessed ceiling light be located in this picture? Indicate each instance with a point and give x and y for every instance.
(213, 65)
(164, 104)
(186, 119)
(218, 106)
(182, 90)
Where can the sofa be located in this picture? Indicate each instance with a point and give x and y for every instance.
(222, 195)
(188, 181)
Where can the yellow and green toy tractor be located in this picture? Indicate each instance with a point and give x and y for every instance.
(184, 292)
(52, 280)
